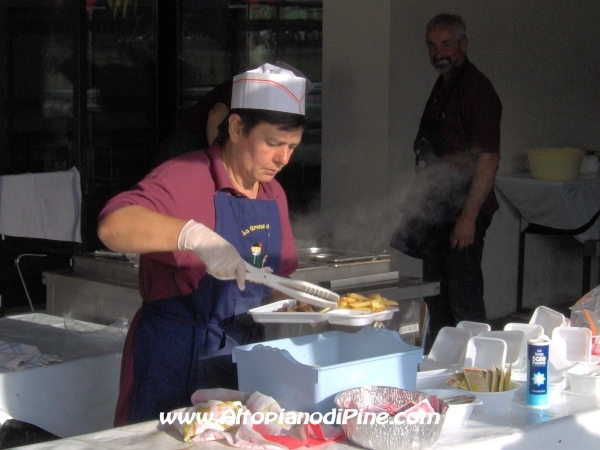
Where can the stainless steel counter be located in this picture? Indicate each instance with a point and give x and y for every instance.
(91, 299)
(103, 287)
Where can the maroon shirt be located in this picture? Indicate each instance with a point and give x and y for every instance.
(184, 187)
(470, 119)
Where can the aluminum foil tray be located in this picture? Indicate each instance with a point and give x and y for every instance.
(387, 436)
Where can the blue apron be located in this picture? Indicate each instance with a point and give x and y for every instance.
(184, 343)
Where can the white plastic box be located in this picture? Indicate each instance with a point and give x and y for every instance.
(305, 373)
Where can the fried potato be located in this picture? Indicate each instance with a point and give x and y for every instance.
(387, 302)
(372, 303)
(359, 297)
(378, 306)
(361, 304)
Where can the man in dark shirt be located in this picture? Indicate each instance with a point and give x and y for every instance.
(457, 153)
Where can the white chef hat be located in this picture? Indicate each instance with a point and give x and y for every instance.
(270, 87)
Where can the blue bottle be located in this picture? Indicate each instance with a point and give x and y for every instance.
(537, 372)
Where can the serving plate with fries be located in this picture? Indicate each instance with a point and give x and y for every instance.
(372, 303)
(358, 310)
(352, 309)
(269, 314)
(358, 318)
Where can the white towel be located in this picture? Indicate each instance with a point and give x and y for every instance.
(15, 356)
(41, 205)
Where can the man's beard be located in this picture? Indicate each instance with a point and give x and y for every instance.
(450, 66)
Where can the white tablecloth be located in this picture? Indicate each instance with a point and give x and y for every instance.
(565, 205)
(71, 398)
(571, 422)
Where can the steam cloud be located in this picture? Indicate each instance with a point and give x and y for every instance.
(369, 224)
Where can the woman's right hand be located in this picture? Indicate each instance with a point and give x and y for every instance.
(221, 258)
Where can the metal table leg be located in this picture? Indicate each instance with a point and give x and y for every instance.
(520, 270)
(591, 249)
(23, 279)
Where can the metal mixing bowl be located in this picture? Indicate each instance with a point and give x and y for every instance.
(388, 436)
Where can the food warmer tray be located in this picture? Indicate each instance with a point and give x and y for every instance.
(334, 257)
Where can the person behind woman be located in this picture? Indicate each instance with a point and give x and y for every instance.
(194, 220)
(199, 127)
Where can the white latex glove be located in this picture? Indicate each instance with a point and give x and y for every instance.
(221, 258)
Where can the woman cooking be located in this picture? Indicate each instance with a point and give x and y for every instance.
(194, 220)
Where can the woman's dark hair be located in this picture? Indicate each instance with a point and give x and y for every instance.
(253, 117)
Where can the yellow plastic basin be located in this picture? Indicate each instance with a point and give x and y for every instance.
(555, 164)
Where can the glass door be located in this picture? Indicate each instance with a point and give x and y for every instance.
(99, 84)
(218, 40)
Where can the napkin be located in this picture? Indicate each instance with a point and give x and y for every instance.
(221, 422)
(15, 356)
(41, 205)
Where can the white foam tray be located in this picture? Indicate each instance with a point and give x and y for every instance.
(474, 327)
(485, 353)
(515, 343)
(449, 346)
(548, 318)
(358, 318)
(574, 343)
(268, 314)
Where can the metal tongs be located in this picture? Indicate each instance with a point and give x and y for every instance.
(299, 290)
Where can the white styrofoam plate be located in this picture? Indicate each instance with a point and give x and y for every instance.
(531, 330)
(584, 379)
(457, 414)
(474, 327)
(493, 402)
(432, 367)
(515, 343)
(558, 362)
(548, 318)
(574, 343)
(427, 370)
(268, 314)
(358, 318)
(434, 379)
(449, 346)
(485, 353)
